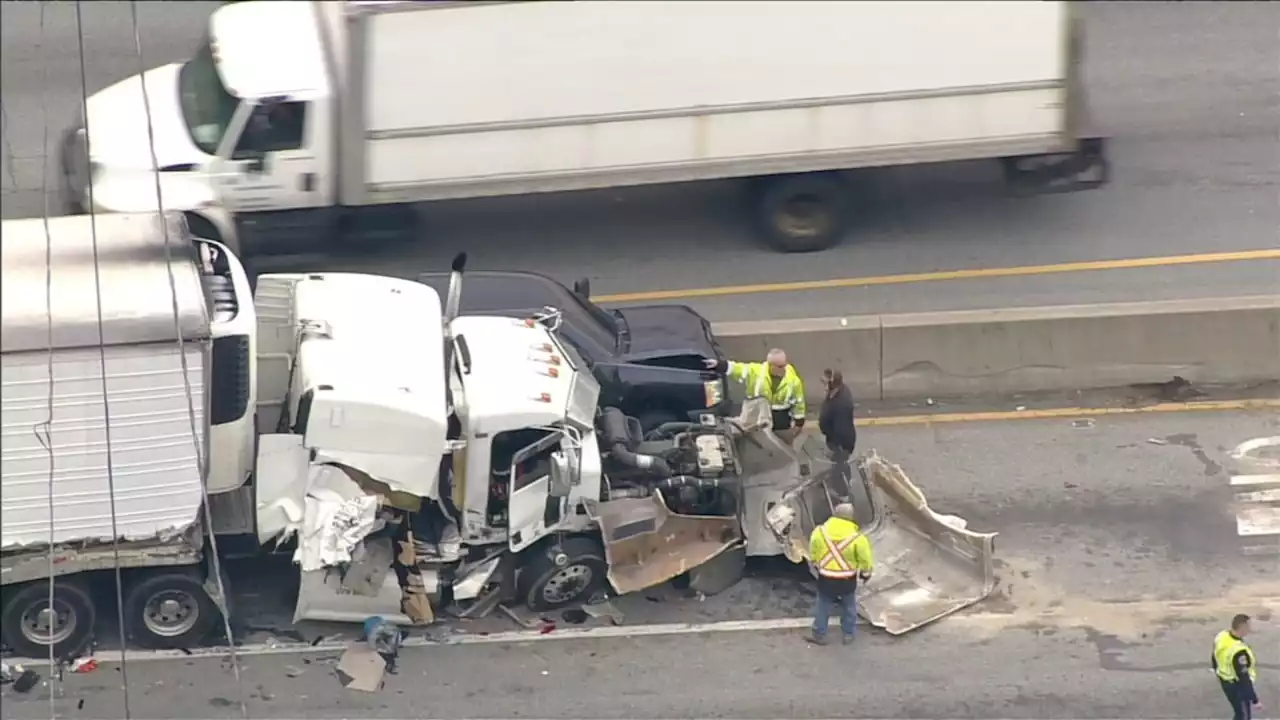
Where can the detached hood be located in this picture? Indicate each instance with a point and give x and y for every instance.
(662, 330)
(118, 120)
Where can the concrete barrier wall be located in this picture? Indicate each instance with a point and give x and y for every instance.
(1215, 340)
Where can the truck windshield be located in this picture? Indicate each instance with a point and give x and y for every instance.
(207, 105)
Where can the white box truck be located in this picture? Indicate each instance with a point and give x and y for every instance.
(330, 121)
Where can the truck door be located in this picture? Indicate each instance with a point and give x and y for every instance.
(275, 165)
(532, 513)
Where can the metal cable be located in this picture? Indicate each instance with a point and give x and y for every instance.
(8, 146)
(200, 448)
(44, 430)
(102, 358)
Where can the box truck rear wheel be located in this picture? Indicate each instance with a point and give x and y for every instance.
(169, 609)
(557, 576)
(30, 626)
(802, 213)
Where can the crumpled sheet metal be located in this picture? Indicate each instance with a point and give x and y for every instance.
(646, 544)
(928, 565)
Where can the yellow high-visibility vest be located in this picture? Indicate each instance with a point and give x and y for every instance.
(1225, 647)
(839, 549)
(788, 394)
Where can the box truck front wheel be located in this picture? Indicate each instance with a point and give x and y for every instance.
(556, 576)
(30, 625)
(802, 213)
(168, 609)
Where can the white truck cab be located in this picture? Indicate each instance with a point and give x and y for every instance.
(357, 419)
(242, 126)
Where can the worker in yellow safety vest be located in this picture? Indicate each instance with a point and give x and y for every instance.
(1237, 668)
(774, 379)
(841, 553)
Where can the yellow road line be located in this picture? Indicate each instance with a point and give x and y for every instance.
(1069, 412)
(973, 274)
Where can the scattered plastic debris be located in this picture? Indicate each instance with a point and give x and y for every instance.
(1082, 423)
(24, 680)
(1157, 441)
(547, 628)
(1020, 408)
(84, 665)
(575, 616)
(292, 671)
(604, 609)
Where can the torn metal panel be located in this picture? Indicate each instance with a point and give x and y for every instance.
(183, 549)
(928, 565)
(646, 544)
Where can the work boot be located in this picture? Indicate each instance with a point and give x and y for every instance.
(815, 639)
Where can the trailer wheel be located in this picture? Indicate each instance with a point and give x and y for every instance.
(558, 576)
(29, 626)
(802, 213)
(169, 609)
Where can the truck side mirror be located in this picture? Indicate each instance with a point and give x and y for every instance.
(561, 475)
(582, 287)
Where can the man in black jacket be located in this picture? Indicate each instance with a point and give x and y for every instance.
(836, 419)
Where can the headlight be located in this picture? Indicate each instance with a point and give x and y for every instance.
(713, 390)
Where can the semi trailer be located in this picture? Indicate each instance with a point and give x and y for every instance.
(296, 125)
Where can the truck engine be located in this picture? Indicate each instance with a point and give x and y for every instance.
(692, 465)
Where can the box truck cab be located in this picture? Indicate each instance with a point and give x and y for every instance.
(328, 121)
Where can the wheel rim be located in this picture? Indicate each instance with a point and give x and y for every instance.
(567, 584)
(803, 216)
(170, 613)
(45, 626)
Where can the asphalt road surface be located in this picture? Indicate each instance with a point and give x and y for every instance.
(1118, 561)
(1190, 93)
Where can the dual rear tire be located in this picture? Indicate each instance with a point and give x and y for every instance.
(162, 609)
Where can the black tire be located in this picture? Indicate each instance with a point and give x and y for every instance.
(75, 609)
(651, 419)
(168, 609)
(583, 574)
(802, 213)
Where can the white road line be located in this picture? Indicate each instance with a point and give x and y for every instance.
(1257, 496)
(978, 619)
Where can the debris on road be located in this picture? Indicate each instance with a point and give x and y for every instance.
(84, 665)
(361, 668)
(604, 610)
(21, 678)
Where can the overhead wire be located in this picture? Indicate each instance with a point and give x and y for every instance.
(44, 430)
(200, 448)
(102, 359)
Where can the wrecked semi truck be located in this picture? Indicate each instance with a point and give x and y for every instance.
(121, 408)
(420, 459)
(384, 105)
(543, 497)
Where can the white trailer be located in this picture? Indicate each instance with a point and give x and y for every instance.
(330, 120)
(162, 360)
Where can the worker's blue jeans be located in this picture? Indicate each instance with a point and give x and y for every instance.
(848, 601)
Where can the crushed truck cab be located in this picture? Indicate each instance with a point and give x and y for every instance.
(427, 461)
